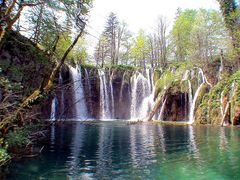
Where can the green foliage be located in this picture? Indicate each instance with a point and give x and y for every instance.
(88, 66)
(17, 139)
(172, 76)
(231, 13)
(166, 79)
(63, 43)
(140, 48)
(181, 33)
(209, 110)
(156, 76)
(124, 67)
(10, 86)
(4, 156)
(45, 24)
(80, 54)
(198, 35)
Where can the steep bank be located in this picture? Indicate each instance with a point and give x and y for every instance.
(23, 68)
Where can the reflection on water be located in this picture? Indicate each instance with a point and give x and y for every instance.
(116, 150)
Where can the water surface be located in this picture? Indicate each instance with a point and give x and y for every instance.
(117, 150)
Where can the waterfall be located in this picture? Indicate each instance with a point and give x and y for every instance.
(160, 117)
(133, 95)
(79, 97)
(142, 96)
(192, 102)
(89, 88)
(148, 101)
(60, 82)
(122, 86)
(104, 96)
(146, 106)
(112, 96)
(203, 77)
(187, 82)
(201, 80)
(186, 75)
(150, 79)
(192, 107)
(190, 97)
(53, 109)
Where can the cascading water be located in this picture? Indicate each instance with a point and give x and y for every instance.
(121, 90)
(148, 101)
(187, 82)
(142, 95)
(89, 88)
(60, 82)
(134, 83)
(112, 96)
(160, 117)
(201, 80)
(204, 79)
(191, 115)
(104, 96)
(190, 97)
(79, 97)
(150, 79)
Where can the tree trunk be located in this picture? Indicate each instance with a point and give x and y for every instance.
(225, 113)
(157, 105)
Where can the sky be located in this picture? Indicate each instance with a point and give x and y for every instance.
(138, 14)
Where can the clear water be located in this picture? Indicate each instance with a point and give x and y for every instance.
(117, 150)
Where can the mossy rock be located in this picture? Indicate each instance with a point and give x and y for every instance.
(211, 100)
(20, 58)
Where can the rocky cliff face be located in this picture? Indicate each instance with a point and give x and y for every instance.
(23, 62)
(118, 79)
(23, 68)
(191, 94)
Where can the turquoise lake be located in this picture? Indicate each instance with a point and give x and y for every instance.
(119, 150)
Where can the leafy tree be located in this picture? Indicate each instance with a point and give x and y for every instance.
(198, 35)
(208, 35)
(140, 49)
(10, 13)
(76, 11)
(181, 32)
(231, 13)
(80, 53)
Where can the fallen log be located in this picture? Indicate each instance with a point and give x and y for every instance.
(225, 113)
(157, 105)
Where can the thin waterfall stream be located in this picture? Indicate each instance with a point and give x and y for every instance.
(79, 97)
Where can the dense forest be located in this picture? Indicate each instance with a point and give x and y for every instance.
(185, 73)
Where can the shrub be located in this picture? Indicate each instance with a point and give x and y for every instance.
(17, 139)
(4, 156)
